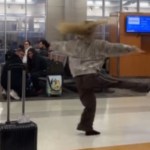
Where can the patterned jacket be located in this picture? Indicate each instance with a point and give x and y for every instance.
(87, 56)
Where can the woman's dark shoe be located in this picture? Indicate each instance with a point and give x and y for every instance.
(92, 132)
(88, 132)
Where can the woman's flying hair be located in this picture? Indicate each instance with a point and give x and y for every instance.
(83, 28)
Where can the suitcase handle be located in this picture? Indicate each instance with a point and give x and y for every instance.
(10, 67)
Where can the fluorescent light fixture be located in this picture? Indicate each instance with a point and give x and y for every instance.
(90, 3)
(18, 1)
(133, 5)
(107, 3)
(98, 3)
(8, 1)
(144, 4)
(124, 2)
(29, 1)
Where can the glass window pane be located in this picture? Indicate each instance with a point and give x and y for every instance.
(35, 28)
(144, 5)
(14, 39)
(15, 31)
(1, 7)
(2, 56)
(129, 5)
(19, 24)
(2, 40)
(39, 24)
(2, 47)
(15, 1)
(36, 24)
(111, 6)
(2, 23)
(94, 9)
(36, 1)
(15, 7)
(14, 23)
(36, 14)
(36, 9)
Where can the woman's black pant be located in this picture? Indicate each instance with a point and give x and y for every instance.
(86, 85)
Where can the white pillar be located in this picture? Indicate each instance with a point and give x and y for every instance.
(75, 10)
(63, 10)
(55, 14)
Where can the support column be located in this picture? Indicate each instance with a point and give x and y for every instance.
(55, 14)
(75, 10)
(63, 10)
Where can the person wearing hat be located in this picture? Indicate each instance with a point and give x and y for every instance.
(86, 58)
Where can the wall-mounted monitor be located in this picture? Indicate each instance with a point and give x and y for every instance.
(138, 24)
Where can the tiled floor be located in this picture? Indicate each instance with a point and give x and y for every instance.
(120, 120)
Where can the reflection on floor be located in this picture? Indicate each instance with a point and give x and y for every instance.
(121, 121)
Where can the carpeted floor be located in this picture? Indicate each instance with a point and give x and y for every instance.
(143, 146)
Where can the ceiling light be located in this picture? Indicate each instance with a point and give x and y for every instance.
(107, 3)
(124, 2)
(98, 3)
(90, 3)
(144, 4)
(133, 5)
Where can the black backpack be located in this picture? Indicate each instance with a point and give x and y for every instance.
(9, 54)
(55, 68)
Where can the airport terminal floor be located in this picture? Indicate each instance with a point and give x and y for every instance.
(121, 121)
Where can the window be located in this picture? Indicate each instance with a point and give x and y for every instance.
(111, 6)
(129, 5)
(94, 9)
(144, 5)
(2, 8)
(23, 19)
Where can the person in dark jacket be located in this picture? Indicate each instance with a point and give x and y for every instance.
(16, 74)
(37, 66)
(43, 47)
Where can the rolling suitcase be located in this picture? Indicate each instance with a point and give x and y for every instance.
(21, 134)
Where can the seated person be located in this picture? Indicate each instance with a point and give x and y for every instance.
(16, 74)
(27, 45)
(43, 47)
(37, 67)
